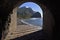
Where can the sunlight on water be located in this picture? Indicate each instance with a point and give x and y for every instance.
(33, 18)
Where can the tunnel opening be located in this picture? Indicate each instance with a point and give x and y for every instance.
(29, 18)
(47, 19)
(31, 14)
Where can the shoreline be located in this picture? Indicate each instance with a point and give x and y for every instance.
(28, 23)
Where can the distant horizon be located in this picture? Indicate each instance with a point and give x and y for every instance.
(33, 6)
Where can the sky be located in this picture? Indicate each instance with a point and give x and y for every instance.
(34, 7)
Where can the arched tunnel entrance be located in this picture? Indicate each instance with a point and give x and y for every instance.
(47, 19)
(31, 11)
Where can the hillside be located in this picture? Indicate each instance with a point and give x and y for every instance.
(36, 15)
(24, 12)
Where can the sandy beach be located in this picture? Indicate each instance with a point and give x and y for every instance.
(22, 30)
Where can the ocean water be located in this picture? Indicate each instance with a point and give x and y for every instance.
(33, 21)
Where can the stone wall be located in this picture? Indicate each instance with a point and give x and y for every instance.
(13, 23)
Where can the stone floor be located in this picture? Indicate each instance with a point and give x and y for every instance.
(38, 35)
(22, 30)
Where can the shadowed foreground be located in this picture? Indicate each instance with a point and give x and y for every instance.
(39, 35)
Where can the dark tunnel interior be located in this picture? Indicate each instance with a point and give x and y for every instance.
(6, 7)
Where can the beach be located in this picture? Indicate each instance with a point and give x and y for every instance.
(22, 30)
